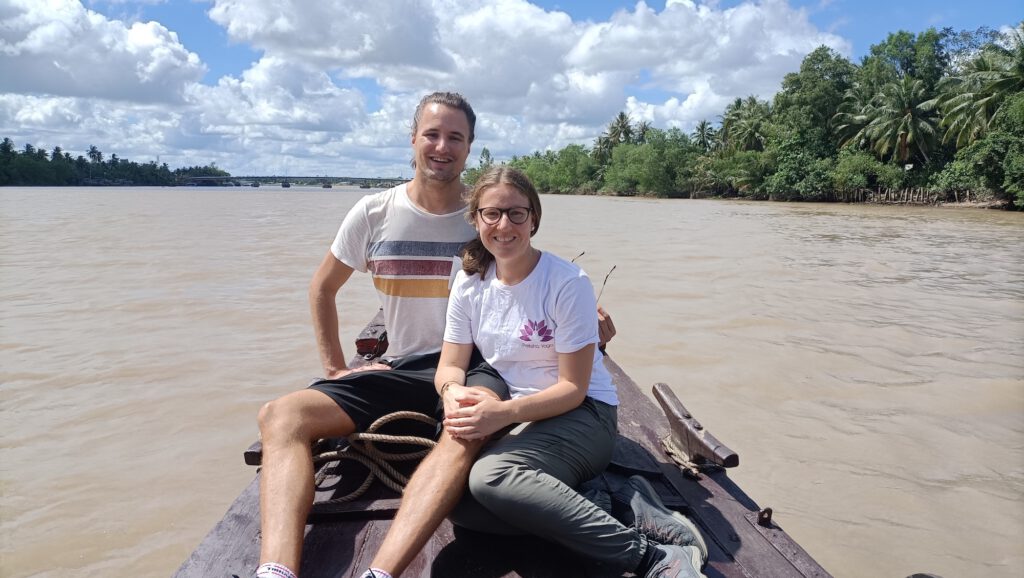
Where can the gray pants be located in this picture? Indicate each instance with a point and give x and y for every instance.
(523, 484)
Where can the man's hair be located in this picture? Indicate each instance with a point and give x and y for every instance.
(452, 99)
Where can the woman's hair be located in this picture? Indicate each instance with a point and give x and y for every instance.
(475, 257)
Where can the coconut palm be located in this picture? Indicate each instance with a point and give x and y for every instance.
(853, 115)
(94, 154)
(901, 120)
(969, 101)
(966, 108)
(602, 151)
(729, 117)
(704, 135)
(744, 124)
(642, 129)
(621, 129)
(1009, 79)
(749, 132)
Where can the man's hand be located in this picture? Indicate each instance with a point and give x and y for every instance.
(605, 327)
(339, 373)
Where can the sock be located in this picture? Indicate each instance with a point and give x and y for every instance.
(376, 573)
(274, 570)
(650, 556)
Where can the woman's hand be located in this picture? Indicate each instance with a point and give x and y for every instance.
(473, 413)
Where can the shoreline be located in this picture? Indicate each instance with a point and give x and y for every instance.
(994, 204)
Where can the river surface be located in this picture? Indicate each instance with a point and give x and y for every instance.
(867, 363)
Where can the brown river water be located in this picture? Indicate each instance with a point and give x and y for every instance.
(867, 363)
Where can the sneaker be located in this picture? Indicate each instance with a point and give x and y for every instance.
(676, 562)
(650, 516)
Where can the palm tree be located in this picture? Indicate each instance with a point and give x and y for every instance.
(901, 120)
(729, 117)
(971, 100)
(642, 129)
(853, 116)
(747, 120)
(744, 124)
(621, 129)
(749, 132)
(602, 151)
(94, 154)
(704, 135)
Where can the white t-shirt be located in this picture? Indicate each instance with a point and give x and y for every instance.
(521, 329)
(411, 255)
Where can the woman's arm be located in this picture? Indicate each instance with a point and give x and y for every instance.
(565, 395)
(450, 379)
(490, 415)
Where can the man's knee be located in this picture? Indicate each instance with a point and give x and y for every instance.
(303, 416)
(276, 421)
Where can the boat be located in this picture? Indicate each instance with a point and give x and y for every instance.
(285, 185)
(685, 463)
(254, 184)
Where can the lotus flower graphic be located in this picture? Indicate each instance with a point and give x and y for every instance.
(536, 330)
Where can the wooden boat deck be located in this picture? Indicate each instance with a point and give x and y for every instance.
(341, 540)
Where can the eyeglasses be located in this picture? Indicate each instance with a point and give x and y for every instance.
(518, 215)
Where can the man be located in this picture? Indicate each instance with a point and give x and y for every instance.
(407, 238)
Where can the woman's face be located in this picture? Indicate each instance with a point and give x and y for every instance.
(504, 239)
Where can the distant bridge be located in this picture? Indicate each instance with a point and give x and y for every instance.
(255, 181)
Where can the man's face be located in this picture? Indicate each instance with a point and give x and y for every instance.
(441, 143)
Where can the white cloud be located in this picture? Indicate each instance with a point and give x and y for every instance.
(58, 47)
(334, 33)
(275, 93)
(538, 79)
(135, 131)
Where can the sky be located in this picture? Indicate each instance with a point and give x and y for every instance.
(328, 87)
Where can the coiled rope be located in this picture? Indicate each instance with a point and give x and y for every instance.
(361, 449)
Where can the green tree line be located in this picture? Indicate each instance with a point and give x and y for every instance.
(930, 117)
(31, 166)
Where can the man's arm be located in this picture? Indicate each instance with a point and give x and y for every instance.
(323, 290)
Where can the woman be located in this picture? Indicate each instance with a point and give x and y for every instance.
(531, 315)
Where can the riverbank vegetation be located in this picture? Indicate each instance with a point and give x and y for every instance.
(31, 166)
(924, 118)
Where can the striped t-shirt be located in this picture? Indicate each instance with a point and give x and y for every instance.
(412, 256)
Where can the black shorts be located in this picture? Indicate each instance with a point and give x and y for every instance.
(408, 386)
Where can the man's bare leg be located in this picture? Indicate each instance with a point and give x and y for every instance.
(432, 492)
(288, 427)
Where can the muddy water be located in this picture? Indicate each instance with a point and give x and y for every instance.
(867, 363)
